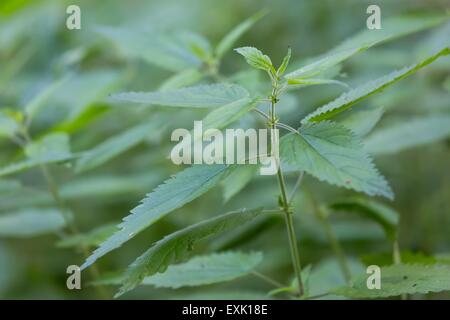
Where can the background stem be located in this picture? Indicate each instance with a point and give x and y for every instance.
(338, 251)
(69, 221)
(322, 216)
(396, 256)
(267, 279)
(286, 209)
(94, 271)
(396, 252)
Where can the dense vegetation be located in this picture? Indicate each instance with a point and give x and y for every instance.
(85, 123)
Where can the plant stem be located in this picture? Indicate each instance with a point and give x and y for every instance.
(295, 188)
(95, 273)
(287, 127)
(53, 188)
(285, 206)
(69, 221)
(294, 251)
(267, 279)
(396, 252)
(338, 251)
(213, 72)
(322, 216)
(263, 114)
(396, 256)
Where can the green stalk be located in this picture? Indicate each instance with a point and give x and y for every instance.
(396, 252)
(285, 205)
(267, 279)
(337, 248)
(95, 273)
(322, 216)
(54, 191)
(396, 255)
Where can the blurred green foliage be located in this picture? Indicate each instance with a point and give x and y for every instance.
(104, 156)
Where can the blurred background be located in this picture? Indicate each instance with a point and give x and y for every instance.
(114, 52)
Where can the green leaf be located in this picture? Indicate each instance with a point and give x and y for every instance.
(202, 270)
(196, 43)
(99, 187)
(184, 187)
(284, 63)
(321, 64)
(349, 98)
(229, 40)
(79, 92)
(163, 50)
(110, 186)
(16, 167)
(30, 222)
(50, 149)
(414, 132)
(360, 121)
(205, 270)
(251, 80)
(9, 185)
(256, 59)
(301, 83)
(83, 119)
(327, 274)
(237, 180)
(181, 79)
(92, 238)
(387, 217)
(393, 28)
(443, 258)
(332, 153)
(401, 279)
(221, 117)
(293, 287)
(176, 246)
(9, 123)
(408, 257)
(115, 146)
(52, 146)
(203, 96)
(41, 99)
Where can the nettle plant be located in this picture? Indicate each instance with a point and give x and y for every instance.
(327, 150)
(329, 144)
